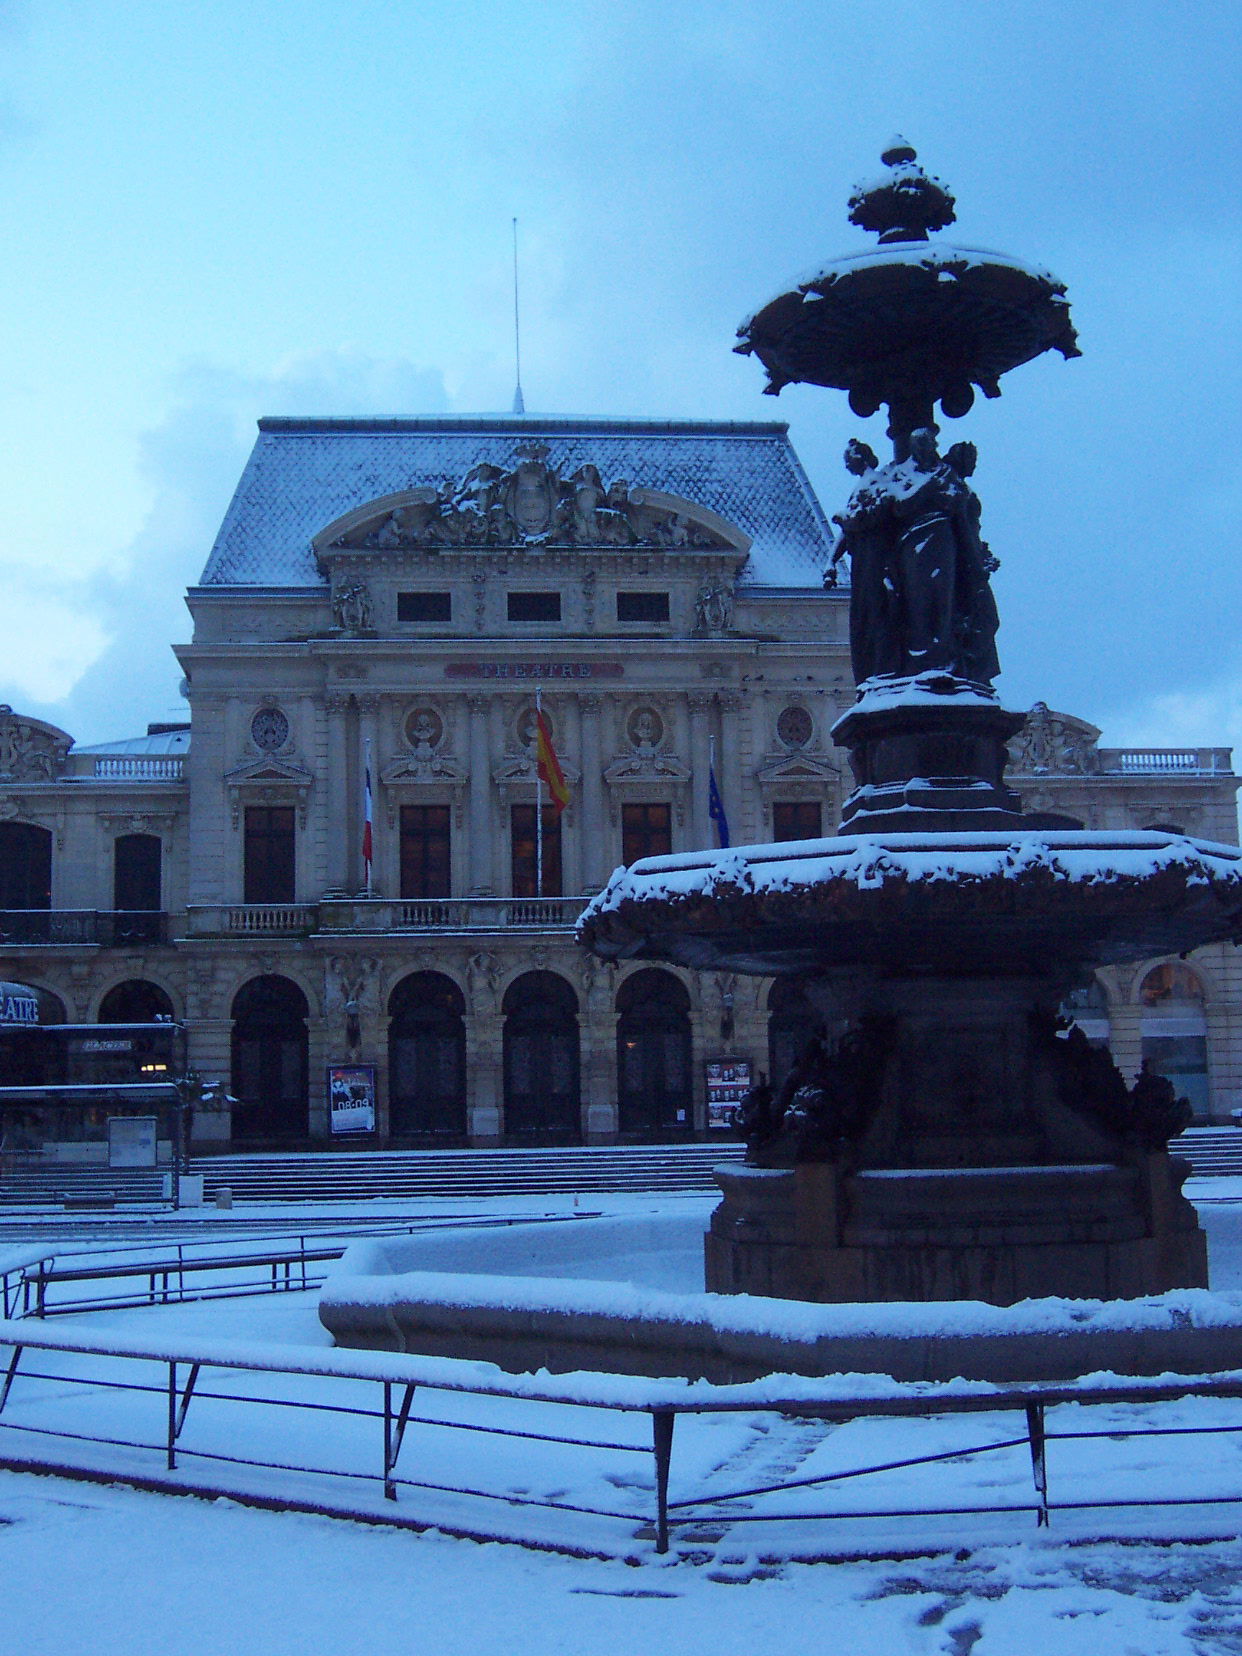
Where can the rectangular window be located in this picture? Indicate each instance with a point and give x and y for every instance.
(425, 866)
(534, 606)
(797, 819)
(646, 831)
(525, 852)
(642, 606)
(269, 854)
(424, 606)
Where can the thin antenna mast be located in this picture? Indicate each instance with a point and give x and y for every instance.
(519, 402)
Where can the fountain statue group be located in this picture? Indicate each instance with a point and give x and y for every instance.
(920, 596)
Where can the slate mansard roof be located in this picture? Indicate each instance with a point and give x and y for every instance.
(305, 473)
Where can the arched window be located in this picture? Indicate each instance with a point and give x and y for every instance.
(792, 1024)
(269, 1060)
(541, 1061)
(654, 1089)
(1174, 1031)
(135, 1001)
(28, 1058)
(25, 883)
(426, 1058)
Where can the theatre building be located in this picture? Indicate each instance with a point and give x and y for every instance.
(384, 602)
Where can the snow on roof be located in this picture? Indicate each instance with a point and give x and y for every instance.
(160, 741)
(305, 473)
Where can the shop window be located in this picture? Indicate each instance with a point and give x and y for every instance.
(526, 852)
(646, 831)
(269, 854)
(797, 819)
(425, 851)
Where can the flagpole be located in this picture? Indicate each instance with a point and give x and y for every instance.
(367, 808)
(538, 800)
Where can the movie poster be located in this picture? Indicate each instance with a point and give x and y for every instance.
(728, 1082)
(351, 1098)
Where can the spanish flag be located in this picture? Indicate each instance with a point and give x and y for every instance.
(548, 765)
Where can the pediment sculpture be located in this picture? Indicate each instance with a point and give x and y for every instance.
(530, 503)
(30, 751)
(1054, 744)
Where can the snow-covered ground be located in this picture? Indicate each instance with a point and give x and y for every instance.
(106, 1569)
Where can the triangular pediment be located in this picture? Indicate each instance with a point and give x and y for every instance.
(269, 771)
(414, 767)
(800, 767)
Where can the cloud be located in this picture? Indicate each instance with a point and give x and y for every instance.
(94, 655)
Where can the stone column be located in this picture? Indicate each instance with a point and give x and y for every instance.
(700, 707)
(729, 765)
(484, 1072)
(593, 832)
(336, 812)
(481, 877)
(573, 848)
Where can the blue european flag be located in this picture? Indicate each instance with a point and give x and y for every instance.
(716, 810)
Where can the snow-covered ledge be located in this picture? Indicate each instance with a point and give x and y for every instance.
(523, 1324)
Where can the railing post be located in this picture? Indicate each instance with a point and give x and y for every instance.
(1039, 1459)
(662, 1423)
(8, 1378)
(172, 1417)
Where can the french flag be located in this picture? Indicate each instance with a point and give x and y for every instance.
(366, 822)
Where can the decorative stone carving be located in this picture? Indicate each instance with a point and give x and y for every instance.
(795, 726)
(713, 608)
(269, 730)
(531, 504)
(351, 978)
(424, 731)
(1054, 744)
(645, 729)
(483, 973)
(30, 751)
(351, 606)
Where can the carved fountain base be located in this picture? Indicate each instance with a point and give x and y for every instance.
(950, 1138)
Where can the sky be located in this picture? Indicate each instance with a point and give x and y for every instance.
(247, 207)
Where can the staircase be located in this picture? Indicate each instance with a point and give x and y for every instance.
(317, 1176)
(353, 1176)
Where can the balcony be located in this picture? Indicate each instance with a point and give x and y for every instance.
(376, 915)
(1167, 761)
(139, 767)
(95, 928)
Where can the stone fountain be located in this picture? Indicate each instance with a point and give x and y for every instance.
(948, 1135)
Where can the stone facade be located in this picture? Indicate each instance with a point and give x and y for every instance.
(388, 596)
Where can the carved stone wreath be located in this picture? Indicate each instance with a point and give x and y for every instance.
(795, 727)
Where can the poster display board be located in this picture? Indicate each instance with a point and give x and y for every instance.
(133, 1141)
(351, 1098)
(728, 1082)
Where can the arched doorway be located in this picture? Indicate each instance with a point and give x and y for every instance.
(426, 1058)
(792, 1024)
(135, 1001)
(654, 1094)
(269, 1060)
(542, 1101)
(1174, 1030)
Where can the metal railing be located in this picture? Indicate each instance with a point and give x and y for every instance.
(330, 1383)
(107, 928)
(386, 914)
